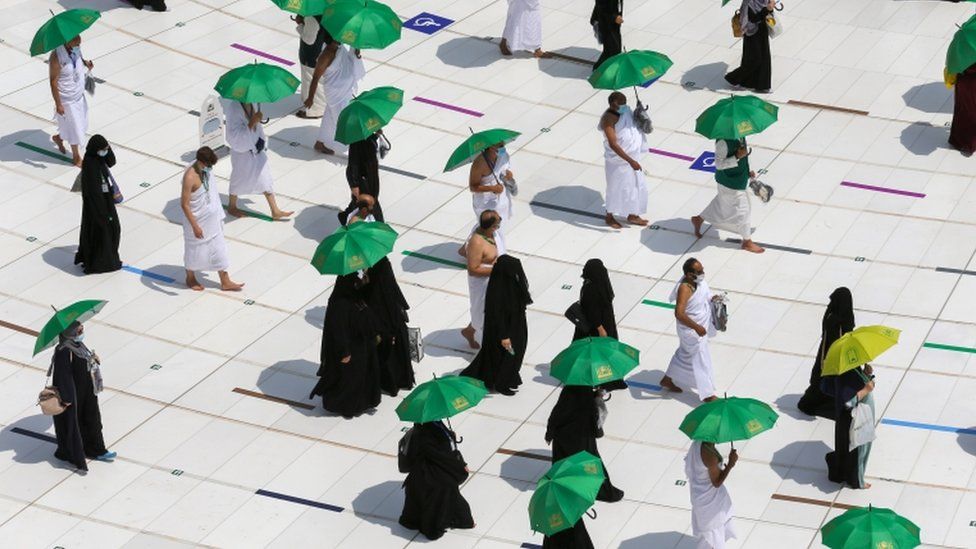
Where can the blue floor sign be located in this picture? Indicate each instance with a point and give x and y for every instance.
(427, 23)
(705, 162)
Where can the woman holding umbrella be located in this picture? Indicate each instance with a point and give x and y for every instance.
(98, 239)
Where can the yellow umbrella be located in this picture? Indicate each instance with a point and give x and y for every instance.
(858, 347)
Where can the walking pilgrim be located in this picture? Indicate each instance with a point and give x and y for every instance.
(312, 37)
(100, 232)
(481, 252)
(363, 175)
(691, 364)
(250, 172)
(66, 70)
(488, 190)
(339, 70)
(711, 505)
(731, 209)
(623, 146)
(389, 306)
(204, 247)
(523, 28)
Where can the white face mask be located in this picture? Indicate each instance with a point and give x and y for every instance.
(700, 278)
(78, 338)
(207, 169)
(103, 152)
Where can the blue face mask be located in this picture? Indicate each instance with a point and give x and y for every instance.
(501, 150)
(103, 152)
(624, 109)
(78, 338)
(207, 169)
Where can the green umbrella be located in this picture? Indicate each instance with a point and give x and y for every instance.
(303, 7)
(76, 312)
(354, 247)
(962, 50)
(367, 113)
(592, 361)
(478, 143)
(565, 492)
(61, 28)
(362, 24)
(257, 83)
(728, 419)
(736, 117)
(870, 527)
(441, 398)
(631, 68)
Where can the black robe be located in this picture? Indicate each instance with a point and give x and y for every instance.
(842, 463)
(596, 301)
(98, 239)
(605, 13)
(838, 319)
(571, 538)
(79, 428)
(962, 135)
(756, 70)
(384, 298)
(432, 499)
(308, 54)
(363, 171)
(506, 298)
(349, 330)
(572, 428)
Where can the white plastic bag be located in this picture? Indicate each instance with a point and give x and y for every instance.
(862, 425)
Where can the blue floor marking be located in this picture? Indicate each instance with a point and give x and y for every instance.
(148, 274)
(649, 386)
(929, 426)
(303, 501)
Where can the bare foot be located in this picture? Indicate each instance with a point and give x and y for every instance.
(229, 285)
(76, 161)
(468, 334)
(503, 46)
(669, 385)
(235, 211)
(709, 399)
(60, 143)
(866, 486)
(281, 215)
(613, 222)
(539, 54)
(697, 223)
(750, 246)
(319, 146)
(191, 283)
(636, 220)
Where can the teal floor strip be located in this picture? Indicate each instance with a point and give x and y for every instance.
(447, 262)
(45, 152)
(660, 304)
(944, 347)
(255, 215)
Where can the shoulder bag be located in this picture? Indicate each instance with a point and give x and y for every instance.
(49, 398)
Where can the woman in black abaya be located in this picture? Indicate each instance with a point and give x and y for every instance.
(576, 421)
(756, 70)
(384, 298)
(607, 16)
(349, 380)
(98, 239)
(572, 538)
(838, 319)
(432, 498)
(78, 428)
(506, 331)
(363, 176)
(596, 301)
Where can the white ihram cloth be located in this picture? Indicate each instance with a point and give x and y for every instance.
(249, 169)
(691, 364)
(341, 83)
(730, 210)
(308, 32)
(210, 252)
(523, 25)
(73, 124)
(626, 187)
(477, 287)
(711, 507)
(501, 203)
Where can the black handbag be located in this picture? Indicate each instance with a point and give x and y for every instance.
(575, 315)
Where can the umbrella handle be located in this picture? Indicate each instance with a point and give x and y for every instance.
(593, 516)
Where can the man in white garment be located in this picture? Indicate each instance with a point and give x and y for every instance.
(623, 146)
(711, 505)
(312, 38)
(731, 210)
(340, 69)
(481, 253)
(204, 248)
(523, 28)
(66, 71)
(691, 364)
(486, 181)
(249, 170)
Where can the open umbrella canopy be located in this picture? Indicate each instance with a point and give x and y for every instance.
(257, 83)
(362, 24)
(592, 361)
(736, 117)
(476, 144)
(80, 311)
(441, 398)
(367, 113)
(303, 7)
(858, 347)
(870, 527)
(354, 247)
(728, 419)
(62, 28)
(565, 492)
(961, 52)
(631, 68)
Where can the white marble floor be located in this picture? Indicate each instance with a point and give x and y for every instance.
(204, 460)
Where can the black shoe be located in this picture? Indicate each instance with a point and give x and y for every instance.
(343, 217)
(506, 392)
